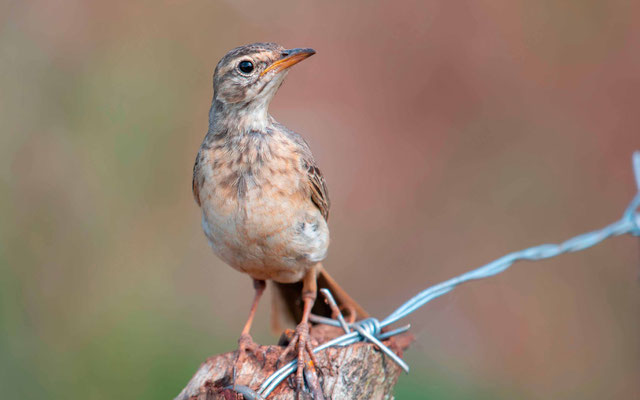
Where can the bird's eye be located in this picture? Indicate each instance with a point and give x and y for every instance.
(245, 67)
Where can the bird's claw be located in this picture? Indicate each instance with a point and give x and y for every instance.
(306, 368)
(246, 346)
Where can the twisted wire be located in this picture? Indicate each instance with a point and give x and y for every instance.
(370, 329)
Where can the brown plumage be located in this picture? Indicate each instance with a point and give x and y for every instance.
(264, 201)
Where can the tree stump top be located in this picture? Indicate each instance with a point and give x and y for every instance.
(357, 371)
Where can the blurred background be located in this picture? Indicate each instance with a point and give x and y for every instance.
(450, 133)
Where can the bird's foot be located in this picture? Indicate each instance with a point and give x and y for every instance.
(246, 347)
(307, 362)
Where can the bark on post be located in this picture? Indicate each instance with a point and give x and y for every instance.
(359, 371)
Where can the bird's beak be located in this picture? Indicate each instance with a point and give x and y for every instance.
(289, 58)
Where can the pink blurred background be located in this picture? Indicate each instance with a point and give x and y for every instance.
(450, 133)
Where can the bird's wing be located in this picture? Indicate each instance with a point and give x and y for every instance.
(317, 184)
(197, 179)
(319, 192)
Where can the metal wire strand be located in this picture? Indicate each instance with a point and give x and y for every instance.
(370, 329)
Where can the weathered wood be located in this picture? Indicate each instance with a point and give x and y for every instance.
(359, 371)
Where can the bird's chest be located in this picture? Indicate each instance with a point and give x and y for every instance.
(252, 182)
(252, 197)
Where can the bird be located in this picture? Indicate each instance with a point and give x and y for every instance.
(264, 201)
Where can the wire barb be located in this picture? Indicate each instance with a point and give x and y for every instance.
(371, 329)
(335, 309)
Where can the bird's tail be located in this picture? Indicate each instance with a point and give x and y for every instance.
(287, 301)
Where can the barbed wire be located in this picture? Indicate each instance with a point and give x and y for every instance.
(370, 329)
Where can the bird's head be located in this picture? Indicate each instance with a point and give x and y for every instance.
(247, 77)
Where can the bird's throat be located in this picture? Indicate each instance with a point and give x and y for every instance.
(239, 118)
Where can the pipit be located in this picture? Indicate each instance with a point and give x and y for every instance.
(264, 201)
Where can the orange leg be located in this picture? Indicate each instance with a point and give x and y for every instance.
(259, 286)
(246, 343)
(301, 340)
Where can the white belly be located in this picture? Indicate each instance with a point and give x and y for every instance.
(267, 236)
